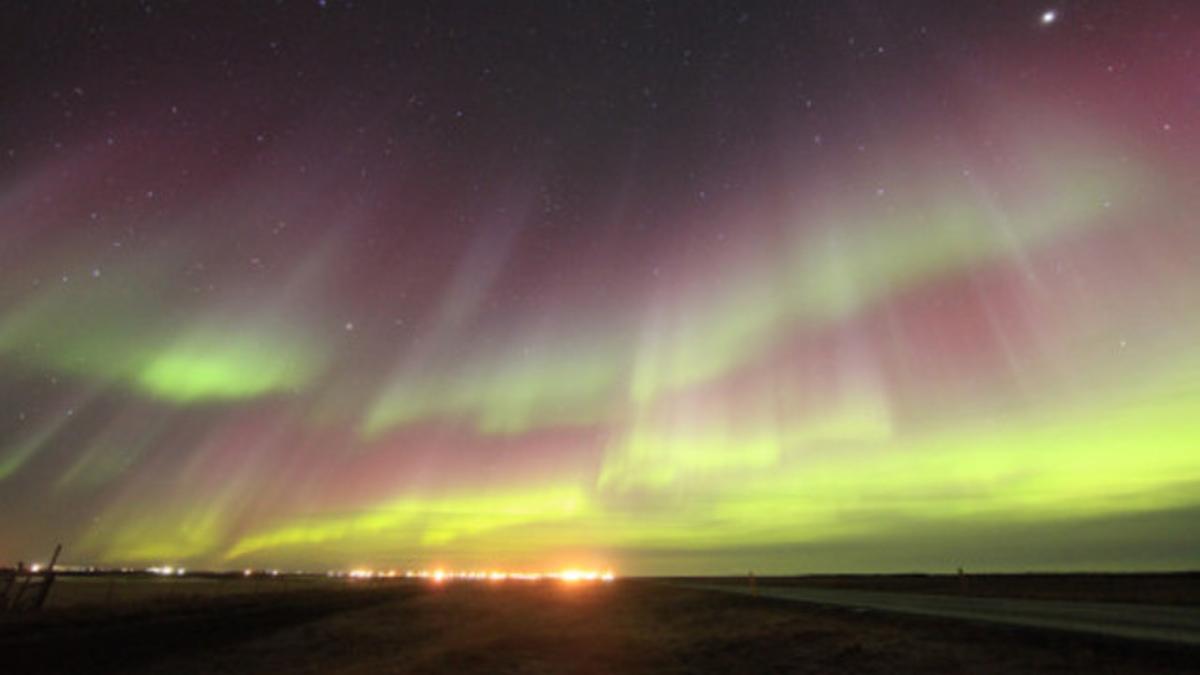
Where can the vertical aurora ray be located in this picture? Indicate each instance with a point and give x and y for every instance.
(852, 307)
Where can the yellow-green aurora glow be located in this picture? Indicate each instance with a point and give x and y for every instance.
(959, 330)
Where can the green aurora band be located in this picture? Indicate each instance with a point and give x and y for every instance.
(1014, 349)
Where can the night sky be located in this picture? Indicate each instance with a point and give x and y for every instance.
(663, 286)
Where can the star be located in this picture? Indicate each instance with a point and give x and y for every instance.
(1049, 16)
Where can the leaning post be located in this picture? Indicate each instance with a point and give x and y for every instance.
(8, 587)
(48, 579)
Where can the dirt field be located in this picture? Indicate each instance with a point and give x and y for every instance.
(627, 626)
(122, 591)
(1154, 589)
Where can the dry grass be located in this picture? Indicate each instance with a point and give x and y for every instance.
(625, 627)
(1156, 589)
(124, 591)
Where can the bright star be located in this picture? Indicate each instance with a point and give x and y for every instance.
(1049, 16)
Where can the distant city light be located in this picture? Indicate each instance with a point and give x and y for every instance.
(441, 575)
(570, 575)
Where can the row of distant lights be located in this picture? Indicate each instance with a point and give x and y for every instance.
(436, 576)
(441, 576)
(270, 573)
(166, 570)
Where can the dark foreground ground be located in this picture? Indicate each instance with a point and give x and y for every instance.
(624, 627)
(1179, 589)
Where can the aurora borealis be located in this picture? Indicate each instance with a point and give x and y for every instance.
(671, 287)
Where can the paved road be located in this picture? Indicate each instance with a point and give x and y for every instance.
(1180, 625)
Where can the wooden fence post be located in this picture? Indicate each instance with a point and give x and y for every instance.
(15, 605)
(48, 579)
(12, 580)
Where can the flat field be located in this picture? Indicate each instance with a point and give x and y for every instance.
(124, 591)
(1176, 589)
(628, 626)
